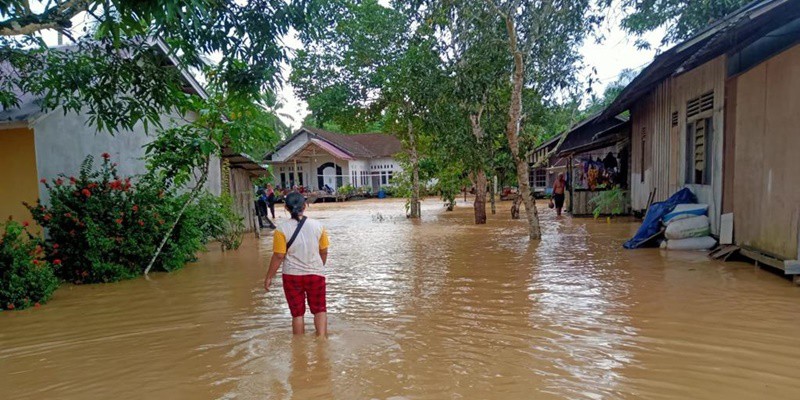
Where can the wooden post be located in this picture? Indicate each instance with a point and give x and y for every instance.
(571, 172)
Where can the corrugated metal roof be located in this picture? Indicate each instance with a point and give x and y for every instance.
(726, 35)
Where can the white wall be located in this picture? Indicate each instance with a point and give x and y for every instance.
(291, 147)
(64, 141)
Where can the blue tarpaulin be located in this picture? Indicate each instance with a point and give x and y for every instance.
(652, 221)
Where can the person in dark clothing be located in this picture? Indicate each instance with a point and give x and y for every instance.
(559, 187)
(271, 200)
(261, 209)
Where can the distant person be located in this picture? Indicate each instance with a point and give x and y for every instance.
(301, 246)
(271, 199)
(261, 209)
(559, 187)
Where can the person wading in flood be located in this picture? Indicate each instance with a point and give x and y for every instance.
(558, 193)
(301, 245)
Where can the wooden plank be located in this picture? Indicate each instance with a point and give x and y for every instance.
(762, 258)
(726, 229)
(724, 251)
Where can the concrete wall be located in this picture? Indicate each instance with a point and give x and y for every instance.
(766, 187)
(19, 179)
(64, 141)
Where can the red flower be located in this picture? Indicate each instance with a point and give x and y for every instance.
(56, 262)
(118, 221)
(106, 156)
(35, 262)
(86, 193)
(141, 223)
(10, 306)
(55, 245)
(72, 180)
(37, 305)
(59, 181)
(135, 208)
(43, 180)
(72, 232)
(48, 217)
(68, 215)
(25, 223)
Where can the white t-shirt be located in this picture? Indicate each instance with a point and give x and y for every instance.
(303, 257)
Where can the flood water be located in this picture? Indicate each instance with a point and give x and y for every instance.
(431, 309)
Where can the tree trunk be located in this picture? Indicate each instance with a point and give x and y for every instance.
(480, 197)
(493, 194)
(515, 207)
(414, 209)
(512, 132)
(480, 175)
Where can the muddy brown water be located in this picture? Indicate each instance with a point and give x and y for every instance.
(434, 309)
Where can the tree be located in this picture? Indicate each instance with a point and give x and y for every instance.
(370, 65)
(541, 38)
(112, 55)
(680, 18)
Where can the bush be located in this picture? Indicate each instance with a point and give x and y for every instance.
(219, 221)
(104, 228)
(25, 278)
(346, 190)
(612, 200)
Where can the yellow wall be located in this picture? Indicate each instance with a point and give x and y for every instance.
(18, 176)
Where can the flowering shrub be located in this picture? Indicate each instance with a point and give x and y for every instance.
(104, 228)
(25, 278)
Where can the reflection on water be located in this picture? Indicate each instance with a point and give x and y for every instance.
(431, 309)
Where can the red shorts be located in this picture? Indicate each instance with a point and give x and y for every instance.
(298, 288)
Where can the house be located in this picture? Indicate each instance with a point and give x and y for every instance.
(545, 167)
(315, 159)
(595, 152)
(718, 114)
(36, 144)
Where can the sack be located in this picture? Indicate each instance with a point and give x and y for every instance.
(682, 211)
(551, 204)
(698, 243)
(685, 228)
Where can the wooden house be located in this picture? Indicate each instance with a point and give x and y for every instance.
(718, 114)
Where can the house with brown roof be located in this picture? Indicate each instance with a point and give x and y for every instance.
(315, 159)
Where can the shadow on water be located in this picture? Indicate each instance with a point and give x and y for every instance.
(430, 309)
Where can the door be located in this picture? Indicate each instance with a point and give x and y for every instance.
(329, 177)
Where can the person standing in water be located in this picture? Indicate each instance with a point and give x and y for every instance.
(300, 244)
(558, 193)
(271, 199)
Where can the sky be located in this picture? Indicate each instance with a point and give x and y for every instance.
(609, 52)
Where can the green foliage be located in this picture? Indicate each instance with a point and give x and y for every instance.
(680, 18)
(612, 199)
(117, 76)
(346, 191)
(451, 180)
(103, 228)
(219, 220)
(26, 279)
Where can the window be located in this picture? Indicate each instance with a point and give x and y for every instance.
(300, 178)
(540, 177)
(390, 176)
(699, 145)
(384, 178)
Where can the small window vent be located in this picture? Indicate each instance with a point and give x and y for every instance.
(699, 105)
(674, 118)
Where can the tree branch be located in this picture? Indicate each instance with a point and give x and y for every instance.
(56, 17)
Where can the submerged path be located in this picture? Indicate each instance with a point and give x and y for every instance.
(432, 309)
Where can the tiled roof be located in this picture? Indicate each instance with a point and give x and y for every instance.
(365, 145)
